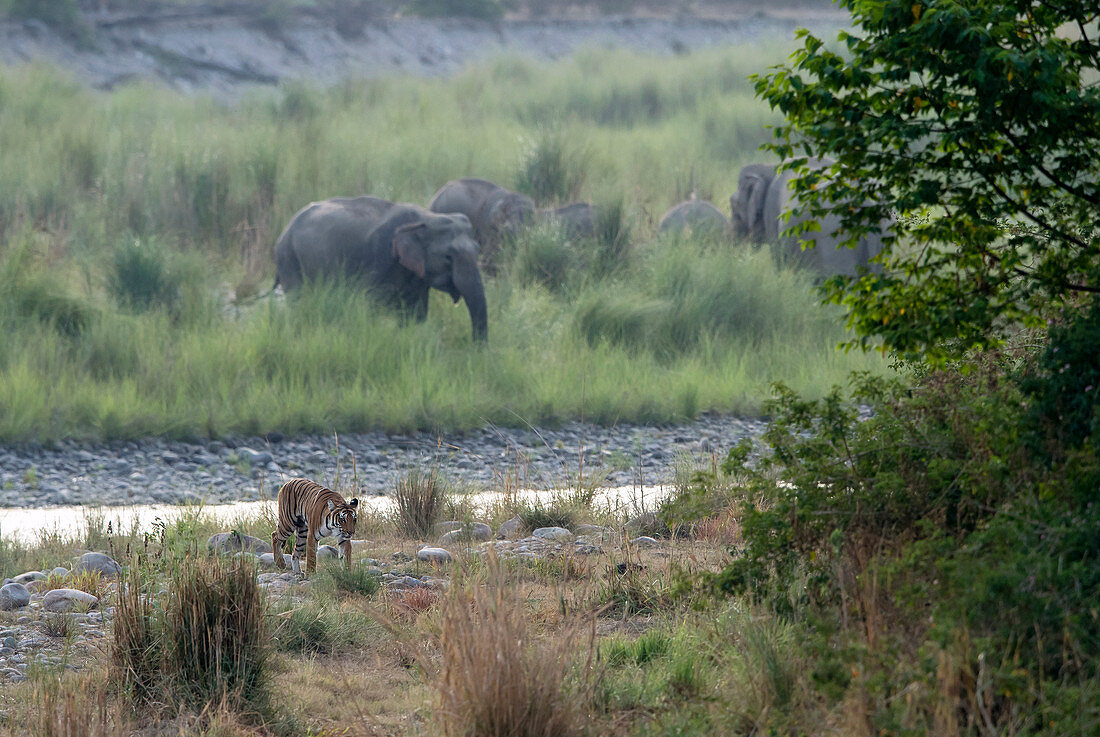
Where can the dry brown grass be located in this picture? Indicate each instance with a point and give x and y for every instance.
(409, 604)
(70, 707)
(358, 694)
(723, 529)
(495, 676)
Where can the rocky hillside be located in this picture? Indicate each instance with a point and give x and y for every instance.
(228, 48)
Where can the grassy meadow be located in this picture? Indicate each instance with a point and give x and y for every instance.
(136, 226)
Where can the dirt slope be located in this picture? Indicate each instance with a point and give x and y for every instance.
(223, 51)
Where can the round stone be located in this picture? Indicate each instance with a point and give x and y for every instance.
(14, 596)
(235, 542)
(558, 534)
(101, 563)
(65, 600)
(433, 555)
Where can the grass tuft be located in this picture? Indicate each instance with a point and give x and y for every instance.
(496, 678)
(419, 500)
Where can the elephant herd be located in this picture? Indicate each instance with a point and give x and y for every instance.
(756, 210)
(400, 251)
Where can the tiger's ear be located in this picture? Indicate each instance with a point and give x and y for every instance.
(331, 506)
(354, 503)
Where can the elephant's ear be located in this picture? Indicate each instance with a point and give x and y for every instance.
(409, 248)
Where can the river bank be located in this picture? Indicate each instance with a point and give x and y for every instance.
(156, 471)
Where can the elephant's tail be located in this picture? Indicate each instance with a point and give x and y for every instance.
(258, 297)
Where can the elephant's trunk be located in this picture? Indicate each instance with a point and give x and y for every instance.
(467, 280)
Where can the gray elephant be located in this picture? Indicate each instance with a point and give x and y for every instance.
(827, 256)
(576, 221)
(496, 213)
(398, 251)
(693, 217)
(747, 203)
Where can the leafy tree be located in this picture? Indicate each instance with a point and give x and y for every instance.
(977, 122)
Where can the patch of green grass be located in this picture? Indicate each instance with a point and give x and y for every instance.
(333, 578)
(319, 628)
(616, 329)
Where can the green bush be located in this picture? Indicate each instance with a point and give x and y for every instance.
(317, 628)
(936, 515)
(333, 577)
(1063, 383)
(550, 171)
(140, 276)
(543, 256)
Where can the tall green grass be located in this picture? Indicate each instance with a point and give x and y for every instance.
(127, 218)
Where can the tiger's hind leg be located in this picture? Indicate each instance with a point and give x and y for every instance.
(277, 549)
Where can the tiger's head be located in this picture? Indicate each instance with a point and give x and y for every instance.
(344, 517)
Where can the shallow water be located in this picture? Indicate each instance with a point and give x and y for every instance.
(25, 525)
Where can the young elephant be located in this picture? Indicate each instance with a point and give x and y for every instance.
(747, 203)
(397, 251)
(496, 213)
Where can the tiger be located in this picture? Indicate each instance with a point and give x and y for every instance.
(311, 512)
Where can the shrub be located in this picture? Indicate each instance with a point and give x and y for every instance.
(537, 514)
(318, 628)
(333, 577)
(543, 256)
(549, 172)
(204, 643)
(140, 276)
(1063, 383)
(137, 649)
(215, 635)
(31, 291)
(610, 249)
(419, 498)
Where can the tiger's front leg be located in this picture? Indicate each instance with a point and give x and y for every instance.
(345, 553)
(311, 552)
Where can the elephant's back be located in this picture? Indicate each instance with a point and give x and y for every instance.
(692, 215)
(466, 195)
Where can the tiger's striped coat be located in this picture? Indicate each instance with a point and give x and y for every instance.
(311, 512)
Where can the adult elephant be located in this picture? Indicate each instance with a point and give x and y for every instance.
(496, 213)
(747, 203)
(827, 255)
(398, 251)
(693, 217)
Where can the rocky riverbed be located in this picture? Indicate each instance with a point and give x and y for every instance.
(156, 471)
